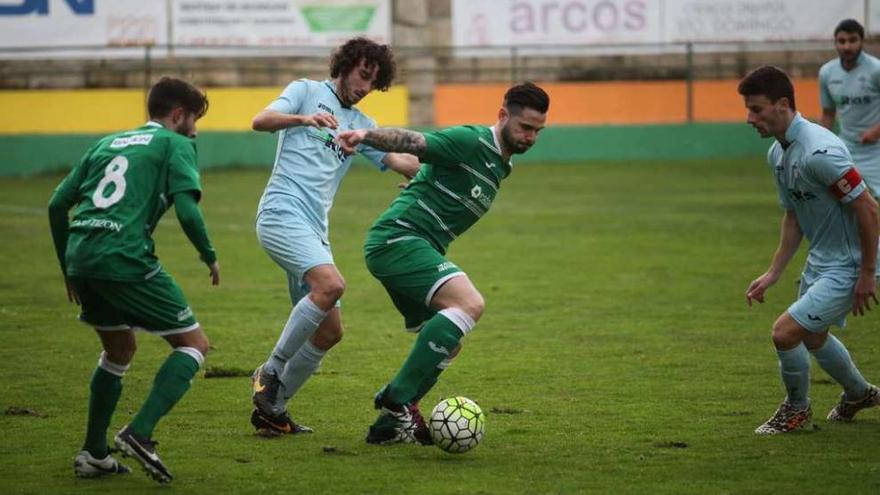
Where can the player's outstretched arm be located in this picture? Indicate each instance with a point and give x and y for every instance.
(190, 217)
(865, 209)
(403, 163)
(789, 239)
(387, 139)
(271, 121)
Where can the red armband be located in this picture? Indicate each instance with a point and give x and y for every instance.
(844, 185)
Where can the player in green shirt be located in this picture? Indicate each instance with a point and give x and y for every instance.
(405, 248)
(119, 190)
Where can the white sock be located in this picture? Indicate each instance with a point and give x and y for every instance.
(302, 323)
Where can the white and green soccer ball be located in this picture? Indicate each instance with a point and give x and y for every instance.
(457, 424)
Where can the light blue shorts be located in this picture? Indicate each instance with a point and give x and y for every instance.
(292, 243)
(824, 299)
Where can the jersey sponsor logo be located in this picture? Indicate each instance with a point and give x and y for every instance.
(98, 223)
(136, 140)
(442, 267)
(844, 185)
(799, 196)
(329, 142)
(483, 199)
(856, 100)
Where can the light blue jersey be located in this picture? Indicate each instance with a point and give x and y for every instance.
(309, 165)
(855, 95)
(815, 177)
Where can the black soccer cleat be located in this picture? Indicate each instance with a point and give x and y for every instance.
(281, 424)
(394, 424)
(265, 391)
(144, 451)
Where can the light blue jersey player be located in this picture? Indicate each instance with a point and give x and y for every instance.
(849, 90)
(826, 201)
(292, 216)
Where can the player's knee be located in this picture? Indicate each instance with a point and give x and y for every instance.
(329, 292)
(474, 306)
(783, 336)
(123, 353)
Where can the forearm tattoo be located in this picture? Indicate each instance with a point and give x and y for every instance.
(398, 140)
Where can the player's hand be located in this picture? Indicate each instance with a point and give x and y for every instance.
(759, 285)
(215, 273)
(322, 120)
(864, 293)
(869, 137)
(348, 140)
(72, 296)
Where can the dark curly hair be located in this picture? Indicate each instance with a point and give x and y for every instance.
(348, 56)
(170, 92)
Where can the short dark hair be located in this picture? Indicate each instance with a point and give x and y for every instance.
(769, 81)
(850, 26)
(170, 93)
(349, 55)
(526, 95)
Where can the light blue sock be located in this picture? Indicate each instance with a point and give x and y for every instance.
(299, 368)
(302, 323)
(794, 366)
(836, 361)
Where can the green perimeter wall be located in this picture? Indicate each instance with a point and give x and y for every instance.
(31, 154)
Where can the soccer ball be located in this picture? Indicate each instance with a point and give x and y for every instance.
(457, 424)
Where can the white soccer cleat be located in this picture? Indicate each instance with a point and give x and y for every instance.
(86, 466)
(845, 411)
(786, 419)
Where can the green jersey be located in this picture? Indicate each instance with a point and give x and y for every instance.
(121, 187)
(455, 187)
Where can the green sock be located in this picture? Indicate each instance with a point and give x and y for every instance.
(105, 390)
(437, 339)
(427, 384)
(172, 381)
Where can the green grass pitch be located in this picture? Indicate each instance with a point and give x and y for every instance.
(616, 352)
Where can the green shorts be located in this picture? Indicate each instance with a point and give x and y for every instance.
(156, 305)
(411, 270)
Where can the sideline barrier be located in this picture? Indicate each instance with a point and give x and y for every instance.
(31, 154)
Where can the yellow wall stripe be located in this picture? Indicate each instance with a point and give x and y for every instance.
(108, 110)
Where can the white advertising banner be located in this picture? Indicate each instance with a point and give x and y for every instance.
(873, 27)
(267, 23)
(490, 27)
(504, 23)
(27, 25)
(750, 20)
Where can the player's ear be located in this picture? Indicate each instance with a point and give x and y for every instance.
(503, 114)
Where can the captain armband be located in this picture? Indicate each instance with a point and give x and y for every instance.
(846, 183)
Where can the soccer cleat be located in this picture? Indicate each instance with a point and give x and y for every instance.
(420, 432)
(394, 424)
(846, 410)
(265, 394)
(276, 425)
(86, 466)
(786, 419)
(144, 451)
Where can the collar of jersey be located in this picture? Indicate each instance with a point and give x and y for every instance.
(498, 145)
(860, 60)
(793, 130)
(153, 123)
(332, 88)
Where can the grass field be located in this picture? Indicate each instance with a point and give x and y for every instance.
(616, 352)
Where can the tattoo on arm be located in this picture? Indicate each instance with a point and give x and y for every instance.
(399, 140)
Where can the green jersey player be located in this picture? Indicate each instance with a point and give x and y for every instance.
(406, 246)
(119, 190)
